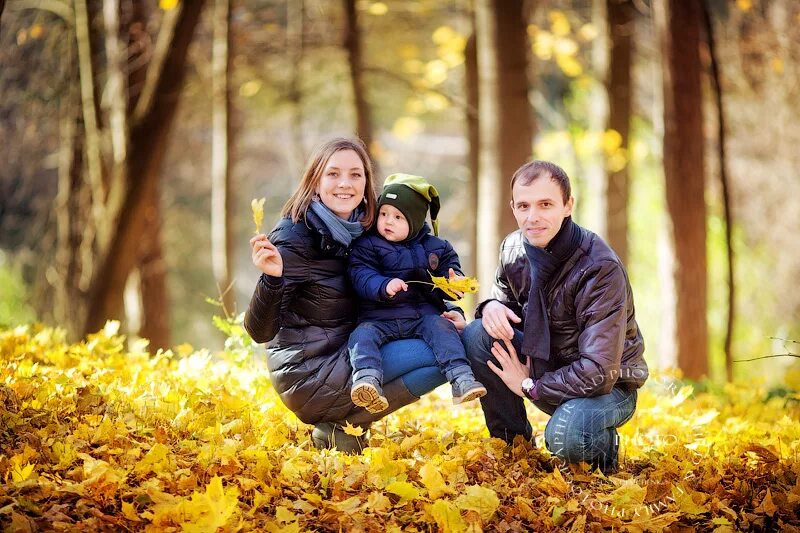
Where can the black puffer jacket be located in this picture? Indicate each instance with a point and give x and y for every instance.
(376, 261)
(308, 315)
(595, 342)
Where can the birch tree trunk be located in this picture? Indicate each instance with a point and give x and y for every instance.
(221, 198)
(473, 138)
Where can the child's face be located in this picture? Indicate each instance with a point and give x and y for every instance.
(392, 225)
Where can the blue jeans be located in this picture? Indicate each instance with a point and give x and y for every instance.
(581, 429)
(437, 332)
(411, 361)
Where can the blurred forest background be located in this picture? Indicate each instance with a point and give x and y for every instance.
(133, 135)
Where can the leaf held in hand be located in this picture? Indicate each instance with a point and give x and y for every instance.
(450, 286)
(258, 212)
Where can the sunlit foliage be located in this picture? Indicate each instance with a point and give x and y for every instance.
(96, 435)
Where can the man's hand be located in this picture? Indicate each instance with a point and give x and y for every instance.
(395, 286)
(513, 372)
(497, 320)
(456, 318)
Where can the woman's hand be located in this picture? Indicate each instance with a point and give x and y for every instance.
(455, 317)
(512, 371)
(266, 256)
(497, 320)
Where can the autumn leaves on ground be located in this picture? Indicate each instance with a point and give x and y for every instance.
(104, 436)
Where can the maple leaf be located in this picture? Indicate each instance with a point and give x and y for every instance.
(480, 499)
(404, 489)
(447, 516)
(355, 431)
(211, 510)
(451, 286)
(433, 481)
(258, 213)
(129, 512)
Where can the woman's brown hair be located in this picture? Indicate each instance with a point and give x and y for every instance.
(298, 203)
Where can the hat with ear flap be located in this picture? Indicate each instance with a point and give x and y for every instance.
(413, 196)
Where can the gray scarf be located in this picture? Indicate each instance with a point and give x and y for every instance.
(342, 231)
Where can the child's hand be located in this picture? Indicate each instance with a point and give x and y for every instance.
(395, 286)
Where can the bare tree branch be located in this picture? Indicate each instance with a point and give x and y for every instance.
(788, 354)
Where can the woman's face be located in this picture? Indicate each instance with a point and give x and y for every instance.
(341, 187)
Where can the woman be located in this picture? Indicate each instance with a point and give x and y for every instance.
(303, 300)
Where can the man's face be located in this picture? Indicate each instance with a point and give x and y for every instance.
(539, 209)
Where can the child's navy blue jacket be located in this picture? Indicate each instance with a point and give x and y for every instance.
(374, 262)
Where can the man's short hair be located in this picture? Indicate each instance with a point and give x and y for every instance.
(533, 170)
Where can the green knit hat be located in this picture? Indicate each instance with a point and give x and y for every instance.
(412, 196)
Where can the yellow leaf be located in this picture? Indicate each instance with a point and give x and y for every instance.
(559, 24)
(377, 502)
(404, 489)
(569, 65)
(679, 398)
(211, 510)
(612, 141)
(405, 127)
(687, 501)
(480, 499)
(355, 431)
(433, 481)
(166, 5)
(459, 283)
(258, 213)
(284, 515)
(744, 5)
(447, 517)
(378, 9)
(21, 473)
(348, 506)
(129, 512)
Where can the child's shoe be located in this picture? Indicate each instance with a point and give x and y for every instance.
(467, 388)
(367, 393)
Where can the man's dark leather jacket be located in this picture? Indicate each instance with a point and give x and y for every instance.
(595, 342)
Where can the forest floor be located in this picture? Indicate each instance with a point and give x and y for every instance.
(98, 436)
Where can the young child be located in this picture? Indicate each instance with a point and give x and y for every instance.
(401, 249)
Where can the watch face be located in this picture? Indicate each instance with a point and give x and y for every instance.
(527, 384)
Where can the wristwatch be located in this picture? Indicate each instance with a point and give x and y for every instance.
(528, 388)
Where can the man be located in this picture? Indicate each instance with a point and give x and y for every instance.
(559, 330)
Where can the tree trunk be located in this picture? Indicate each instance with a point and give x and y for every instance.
(68, 209)
(150, 129)
(685, 178)
(618, 84)
(506, 126)
(153, 277)
(221, 197)
(726, 195)
(352, 43)
(295, 44)
(473, 138)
